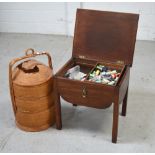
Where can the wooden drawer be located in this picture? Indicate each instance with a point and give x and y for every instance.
(85, 93)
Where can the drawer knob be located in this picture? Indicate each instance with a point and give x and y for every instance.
(84, 92)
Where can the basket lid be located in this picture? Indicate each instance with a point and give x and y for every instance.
(103, 35)
(30, 73)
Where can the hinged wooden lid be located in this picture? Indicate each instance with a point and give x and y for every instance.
(102, 35)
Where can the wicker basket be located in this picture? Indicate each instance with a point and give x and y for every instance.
(31, 89)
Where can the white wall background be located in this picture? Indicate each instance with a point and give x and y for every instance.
(59, 18)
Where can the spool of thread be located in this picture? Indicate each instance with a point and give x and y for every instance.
(105, 81)
(113, 76)
(111, 83)
(99, 67)
(91, 75)
(104, 69)
(97, 72)
(113, 72)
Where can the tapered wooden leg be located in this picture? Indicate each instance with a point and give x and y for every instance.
(124, 106)
(58, 111)
(115, 121)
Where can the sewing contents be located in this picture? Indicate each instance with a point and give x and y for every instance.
(100, 74)
(75, 74)
(105, 75)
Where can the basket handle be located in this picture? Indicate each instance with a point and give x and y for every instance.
(29, 53)
(34, 54)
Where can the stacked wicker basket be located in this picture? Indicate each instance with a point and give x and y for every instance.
(31, 88)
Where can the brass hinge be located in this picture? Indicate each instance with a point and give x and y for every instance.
(120, 62)
(81, 56)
